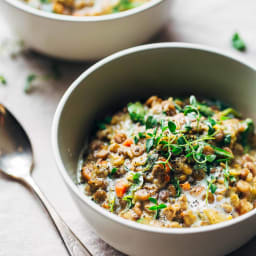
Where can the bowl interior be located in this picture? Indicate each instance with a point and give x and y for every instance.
(135, 74)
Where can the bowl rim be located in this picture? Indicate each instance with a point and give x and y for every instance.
(99, 209)
(61, 17)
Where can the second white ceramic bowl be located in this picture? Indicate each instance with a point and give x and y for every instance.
(160, 69)
(84, 38)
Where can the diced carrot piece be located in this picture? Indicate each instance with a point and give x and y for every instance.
(121, 187)
(128, 142)
(185, 186)
(167, 178)
(167, 166)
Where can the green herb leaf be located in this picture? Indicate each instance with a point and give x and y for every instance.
(161, 206)
(151, 122)
(101, 126)
(192, 100)
(172, 126)
(176, 184)
(156, 207)
(230, 112)
(249, 129)
(238, 43)
(176, 150)
(189, 109)
(188, 127)
(124, 5)
(227, 176)
(149, 144)
(137, 112)
(136, 177)
(210, 158)
(113, 171)
(181, 141)
(3, 80)
(30, 79)
(111, 200)
(213, 188)
(222, 152)
(136, 140)
(153, 200)
(205, 110)
(210, 123)
(128, 199)
(178, 107)
(142, 135)
(227, 139)
(153, 208)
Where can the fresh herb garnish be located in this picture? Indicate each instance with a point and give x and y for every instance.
(227, 139)
(151, 122)
(142, 135)
(172, 126)
(137, 112)
(222, 152)
(111, 200)
(210, 123)
(136, 140)
(113, 171)
(229, 113)
(3, 80)
(124, 5)
(136, 177)
(245, 135)
(176, 149)
(102, 125)
(210, 186)
(138, 182)
(227, 176)
(157, 207)
(238, 43)
(149, 144)
(30, 79)
(176, 184)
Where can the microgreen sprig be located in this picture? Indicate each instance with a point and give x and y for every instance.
(3, 80)
(157, 207)
(227, 176)
(176, 184)
(210, 187)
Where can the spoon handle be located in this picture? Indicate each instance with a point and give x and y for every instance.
(72, 243)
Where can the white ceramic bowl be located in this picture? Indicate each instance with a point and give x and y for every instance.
(84, 38)
(166, 69)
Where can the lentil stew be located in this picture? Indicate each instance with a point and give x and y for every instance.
(172, 163)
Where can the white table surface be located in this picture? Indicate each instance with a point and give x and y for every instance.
(25, 229)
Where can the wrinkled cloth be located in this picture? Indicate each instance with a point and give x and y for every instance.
(25, 229)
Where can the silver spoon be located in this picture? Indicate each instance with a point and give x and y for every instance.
(16, 161)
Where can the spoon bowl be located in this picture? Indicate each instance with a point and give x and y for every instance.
(16, 156)
(16, 161)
